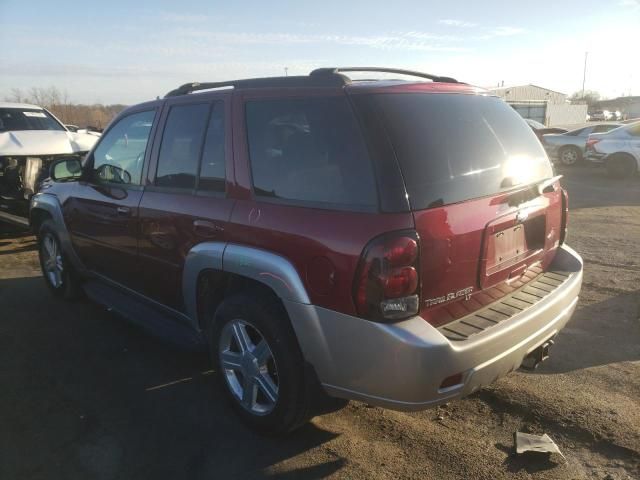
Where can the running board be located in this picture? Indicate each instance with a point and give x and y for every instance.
(159, 324)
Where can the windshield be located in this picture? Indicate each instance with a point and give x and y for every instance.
(454, 147)
(16, 119)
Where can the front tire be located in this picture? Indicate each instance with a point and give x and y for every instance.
(258, 363)
(570, 156)
(57, 271)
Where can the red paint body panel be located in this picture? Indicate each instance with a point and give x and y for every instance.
(302, 235)
(454, 255)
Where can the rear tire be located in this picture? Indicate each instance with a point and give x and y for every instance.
(59, 275)
(258, 363)
(570, 156)
(621, 166)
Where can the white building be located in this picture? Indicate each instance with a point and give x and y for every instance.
(543, 105)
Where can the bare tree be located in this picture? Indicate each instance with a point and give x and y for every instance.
(590, 97)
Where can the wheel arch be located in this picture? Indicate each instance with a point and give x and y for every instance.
(219, 269)
(44, 207)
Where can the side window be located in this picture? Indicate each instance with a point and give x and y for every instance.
(119, 157)
(309, 150)
(604, 128)
(635, 130)
(212, 169)
(180, 147)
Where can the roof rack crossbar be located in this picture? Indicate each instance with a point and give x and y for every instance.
(412, 73)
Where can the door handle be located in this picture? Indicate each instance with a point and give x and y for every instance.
(206, 229)
(124, 211)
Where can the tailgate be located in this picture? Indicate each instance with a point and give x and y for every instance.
(473, 253)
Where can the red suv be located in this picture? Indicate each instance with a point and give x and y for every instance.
(395, 242)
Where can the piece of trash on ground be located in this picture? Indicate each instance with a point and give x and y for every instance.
(526, 442)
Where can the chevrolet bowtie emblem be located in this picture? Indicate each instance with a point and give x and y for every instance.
(521, 216)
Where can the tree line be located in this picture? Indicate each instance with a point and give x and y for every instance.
(58, 102)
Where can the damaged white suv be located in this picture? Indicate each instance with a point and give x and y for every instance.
(30, 139)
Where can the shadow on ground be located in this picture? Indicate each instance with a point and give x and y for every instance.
(86, 395)
(591, 187)
(602, 333)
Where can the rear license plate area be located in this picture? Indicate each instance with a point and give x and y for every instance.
(510, 246)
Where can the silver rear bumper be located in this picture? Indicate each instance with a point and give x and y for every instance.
(401, 366)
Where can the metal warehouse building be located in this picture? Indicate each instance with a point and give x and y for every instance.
(543, 105)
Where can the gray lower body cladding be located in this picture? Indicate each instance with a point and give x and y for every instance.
(402, 365)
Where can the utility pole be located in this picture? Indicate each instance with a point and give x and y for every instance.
(584, 73)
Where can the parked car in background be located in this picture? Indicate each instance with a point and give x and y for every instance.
(351, 237)
(618, 150)
(569, 148)
(540, 129)
(601, 116)
(31, 138)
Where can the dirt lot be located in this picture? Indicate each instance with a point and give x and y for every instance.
(85, 395)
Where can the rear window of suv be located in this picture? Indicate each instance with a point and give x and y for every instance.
(309, 151)
(455, 147)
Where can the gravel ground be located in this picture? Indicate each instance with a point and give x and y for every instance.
(86, 395)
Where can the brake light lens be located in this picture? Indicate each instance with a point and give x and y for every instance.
(565, 216)
(387, 279)
(591, 143)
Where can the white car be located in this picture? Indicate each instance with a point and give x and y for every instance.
(30, 139)
(618, 150)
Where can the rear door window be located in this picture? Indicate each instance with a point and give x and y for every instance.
(309, 150)
(454, 147)
(179, 156)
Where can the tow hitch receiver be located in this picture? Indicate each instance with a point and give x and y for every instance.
(537, 356)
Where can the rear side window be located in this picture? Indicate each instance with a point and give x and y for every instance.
(581, 132)
(309, 150)
(604, 128)
(454, 147)
(180, 148)
(634, 130)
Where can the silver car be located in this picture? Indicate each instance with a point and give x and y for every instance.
(618, 150)
(569, 148)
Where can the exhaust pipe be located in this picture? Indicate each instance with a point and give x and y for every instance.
(536, 356)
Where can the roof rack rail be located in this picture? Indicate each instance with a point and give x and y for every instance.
(320, 77)
(266, 82)
(412, 73)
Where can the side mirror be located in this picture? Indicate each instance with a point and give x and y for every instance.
(65, 169)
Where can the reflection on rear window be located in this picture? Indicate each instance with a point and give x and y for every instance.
(16, 119)
(454, 147)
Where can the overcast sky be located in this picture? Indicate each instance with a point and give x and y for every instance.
(115, 51)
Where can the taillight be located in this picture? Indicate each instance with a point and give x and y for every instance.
(565, 216)
(387, 279)
(591, 142)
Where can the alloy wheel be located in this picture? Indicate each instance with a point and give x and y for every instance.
(248, 366)
(569, 156)
(52, 260)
